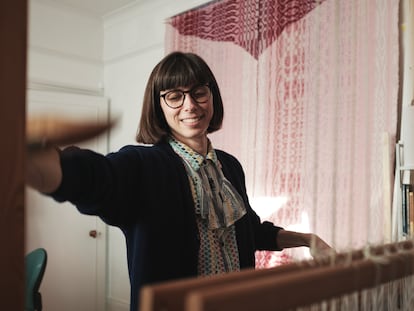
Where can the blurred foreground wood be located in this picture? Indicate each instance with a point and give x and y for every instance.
(285, 287)
(58, 131)
(13, 34)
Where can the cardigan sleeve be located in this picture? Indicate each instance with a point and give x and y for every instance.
(97, 184)
(133, 184)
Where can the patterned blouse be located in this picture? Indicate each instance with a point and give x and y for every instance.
(217, 206)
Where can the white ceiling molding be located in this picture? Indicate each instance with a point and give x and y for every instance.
(96, 8)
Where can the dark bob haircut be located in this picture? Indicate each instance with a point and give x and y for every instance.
(177, 69)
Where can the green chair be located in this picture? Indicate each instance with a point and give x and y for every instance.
(35, 262)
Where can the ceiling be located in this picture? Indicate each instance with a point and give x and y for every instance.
(97, 7)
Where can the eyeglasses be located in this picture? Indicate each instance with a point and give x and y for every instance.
(175, 98)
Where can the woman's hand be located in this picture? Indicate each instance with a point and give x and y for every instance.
(317, 246)
(43, 170)
(43, 133)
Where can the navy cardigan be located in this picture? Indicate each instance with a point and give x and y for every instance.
(145, 191)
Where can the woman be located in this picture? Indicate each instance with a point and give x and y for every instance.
(181, 204)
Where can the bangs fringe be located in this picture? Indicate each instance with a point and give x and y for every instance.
(181, 72)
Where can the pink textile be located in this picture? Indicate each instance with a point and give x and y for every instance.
(310, 91)
(251, 25)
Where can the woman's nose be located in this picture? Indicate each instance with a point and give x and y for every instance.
(189, 102)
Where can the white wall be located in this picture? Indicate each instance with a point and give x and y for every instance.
(407, 39)
(65, 48)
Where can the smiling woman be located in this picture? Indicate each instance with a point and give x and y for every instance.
(188, 118)
(192, 117)
(179, 196)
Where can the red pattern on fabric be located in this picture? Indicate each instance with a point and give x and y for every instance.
(306, 116)
(233, 21)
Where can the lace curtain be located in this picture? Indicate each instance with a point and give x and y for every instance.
(310, 95)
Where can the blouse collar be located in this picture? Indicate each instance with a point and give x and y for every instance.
(192, 157)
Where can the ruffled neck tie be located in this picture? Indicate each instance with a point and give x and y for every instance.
(218, 200)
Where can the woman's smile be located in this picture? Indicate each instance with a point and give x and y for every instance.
(192, 120)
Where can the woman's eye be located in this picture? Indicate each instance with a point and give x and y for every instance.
(199, 93)
(174, 96)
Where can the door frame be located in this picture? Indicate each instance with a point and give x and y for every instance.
(61, 98)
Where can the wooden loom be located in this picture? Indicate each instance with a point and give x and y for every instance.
(285, 287)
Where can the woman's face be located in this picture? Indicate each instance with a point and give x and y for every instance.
(188, 117)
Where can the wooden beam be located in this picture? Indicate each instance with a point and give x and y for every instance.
(280, 292)
(172, 295)
(13, 38)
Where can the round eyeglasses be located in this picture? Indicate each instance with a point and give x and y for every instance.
(175, 98)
